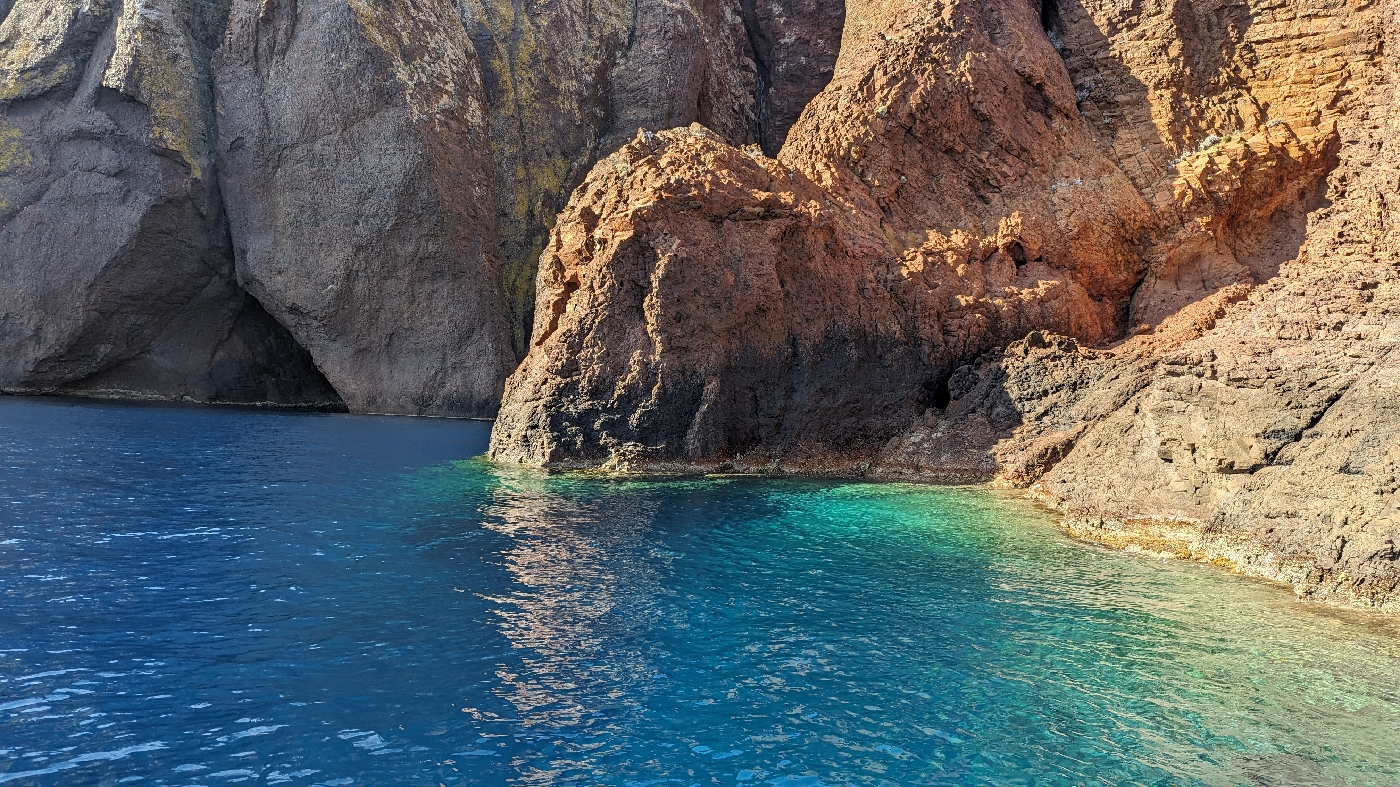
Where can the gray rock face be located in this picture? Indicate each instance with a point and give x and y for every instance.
(568, 83)
(355, 163)
(116, 276)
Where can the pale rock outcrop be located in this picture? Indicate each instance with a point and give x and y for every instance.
(354, 159)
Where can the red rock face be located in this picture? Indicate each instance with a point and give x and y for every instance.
(568, 83)
(703, 305)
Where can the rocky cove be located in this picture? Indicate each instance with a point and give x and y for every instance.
(1137, 258)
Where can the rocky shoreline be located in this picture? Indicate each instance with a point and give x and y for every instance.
(1141, 259)
(1172, 306)
(1193, 541)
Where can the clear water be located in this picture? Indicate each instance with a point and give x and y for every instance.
(210, 596)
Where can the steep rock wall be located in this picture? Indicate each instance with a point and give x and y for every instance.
(1271, 443)
(389, 191)
(116, 276)
(354, 158)
(568, 83)
(705, 305)
(1254, 427)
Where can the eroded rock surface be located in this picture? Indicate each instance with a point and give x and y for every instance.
(746, 310)
(355, 164)
(1271, 443)
(388, 188)
(566, 83)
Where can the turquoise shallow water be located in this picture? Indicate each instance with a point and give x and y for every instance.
(211, 596)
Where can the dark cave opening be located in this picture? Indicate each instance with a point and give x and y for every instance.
(1049, 14)
(1018, 253)
(940, 397)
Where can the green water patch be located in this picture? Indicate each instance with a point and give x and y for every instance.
(922, 634)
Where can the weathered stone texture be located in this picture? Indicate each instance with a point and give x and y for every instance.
(116, 276)
(388, 196)
(795, 44)
(354, 158)
(1271, 441)
(798, 310)
(566, 83)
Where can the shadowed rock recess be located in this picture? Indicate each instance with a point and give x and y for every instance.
(1137, 257)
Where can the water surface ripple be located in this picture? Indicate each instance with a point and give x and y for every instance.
(220, 596)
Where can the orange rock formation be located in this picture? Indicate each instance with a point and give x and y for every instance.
(935, 276)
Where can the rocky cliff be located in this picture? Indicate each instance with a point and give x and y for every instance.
(334, 204)
(1137, 257)
(116, 272)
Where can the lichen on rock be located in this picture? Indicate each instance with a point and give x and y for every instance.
(155, 61)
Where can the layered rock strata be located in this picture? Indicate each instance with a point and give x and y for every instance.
(932, 279)
(1255, 428)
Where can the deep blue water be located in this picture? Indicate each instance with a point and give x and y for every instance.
(216, 596)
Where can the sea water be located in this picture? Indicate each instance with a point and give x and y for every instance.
(218, 596)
